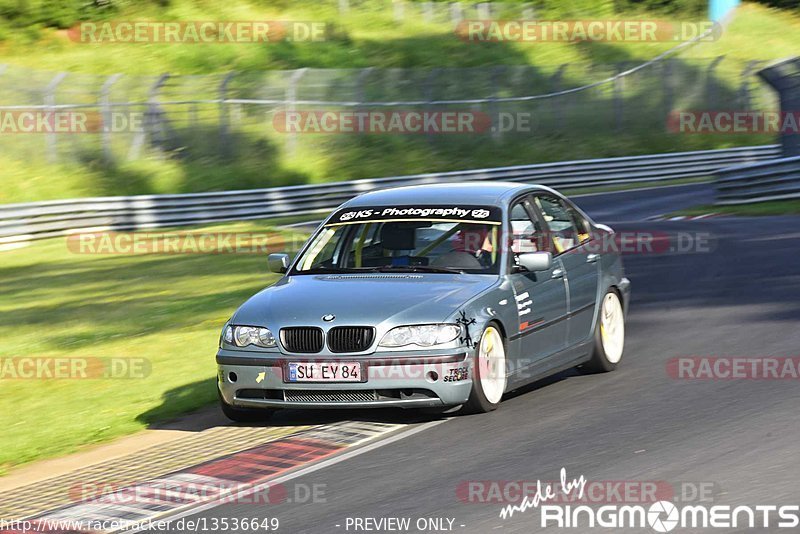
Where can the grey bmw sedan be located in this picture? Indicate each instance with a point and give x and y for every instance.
(428, 296)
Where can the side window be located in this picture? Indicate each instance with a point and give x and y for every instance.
(583, 226)
(560, 223)
(526, 233)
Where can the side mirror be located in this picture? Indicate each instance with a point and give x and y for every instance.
(536, 261)
(278, 263)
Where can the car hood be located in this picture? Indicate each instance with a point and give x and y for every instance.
(363, 299)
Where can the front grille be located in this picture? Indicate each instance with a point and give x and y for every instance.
(306, 339)
(311, 396)
(350, 338)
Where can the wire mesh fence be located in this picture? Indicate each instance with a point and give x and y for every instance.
(292, 113)
(437, 11)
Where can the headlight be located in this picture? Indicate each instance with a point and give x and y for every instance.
(227, 336)
(424, 335)
(242, 336)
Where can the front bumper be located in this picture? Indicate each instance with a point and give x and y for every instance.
(256, 380)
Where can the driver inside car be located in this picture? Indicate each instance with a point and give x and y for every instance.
(476, 242)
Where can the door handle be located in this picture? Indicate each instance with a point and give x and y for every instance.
(591, 258)
(557, 273)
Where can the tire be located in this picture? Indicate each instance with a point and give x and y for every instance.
(609, 335)
(489, 372)
(244, 415)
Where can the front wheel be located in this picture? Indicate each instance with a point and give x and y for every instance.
(489, 372)
(609, 335)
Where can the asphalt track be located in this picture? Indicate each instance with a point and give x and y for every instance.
(741, 297)
(640, 204)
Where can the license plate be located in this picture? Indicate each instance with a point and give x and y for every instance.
(324, 372)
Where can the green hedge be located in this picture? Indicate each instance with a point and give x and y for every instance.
(51, 13)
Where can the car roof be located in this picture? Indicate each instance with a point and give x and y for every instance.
(475, 193)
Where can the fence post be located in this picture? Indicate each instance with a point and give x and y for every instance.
(224, 118)
(744, 89)
(108, 118)
(667, 83)
(783, 78)
(3, 68)
(361, 83)
(494, 111)
(291, 98)
(430, 85)
(618, 99)
(427, 11)
(192, 115)
(398, 10)
(344, 7)
(555, 85)
(484, 11)
(363, 74)
(528, 13)
(50, 101)
(149, 116)
(456, 13)
(711, 87)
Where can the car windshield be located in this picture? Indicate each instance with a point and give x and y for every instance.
(444, 244)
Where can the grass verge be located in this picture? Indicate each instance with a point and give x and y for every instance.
(167, 309)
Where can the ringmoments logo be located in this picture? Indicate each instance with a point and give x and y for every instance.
(660, 516)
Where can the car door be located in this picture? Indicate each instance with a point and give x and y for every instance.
(540, 297)
(570, 235)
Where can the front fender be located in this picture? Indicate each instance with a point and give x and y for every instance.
(496, 305)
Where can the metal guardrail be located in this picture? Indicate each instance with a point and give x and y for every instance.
(39, 220)
(759, 182)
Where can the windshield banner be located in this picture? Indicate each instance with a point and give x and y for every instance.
(471, 214)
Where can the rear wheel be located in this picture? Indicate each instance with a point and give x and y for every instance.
(489, 372)
(609, 335)
(244, 415)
